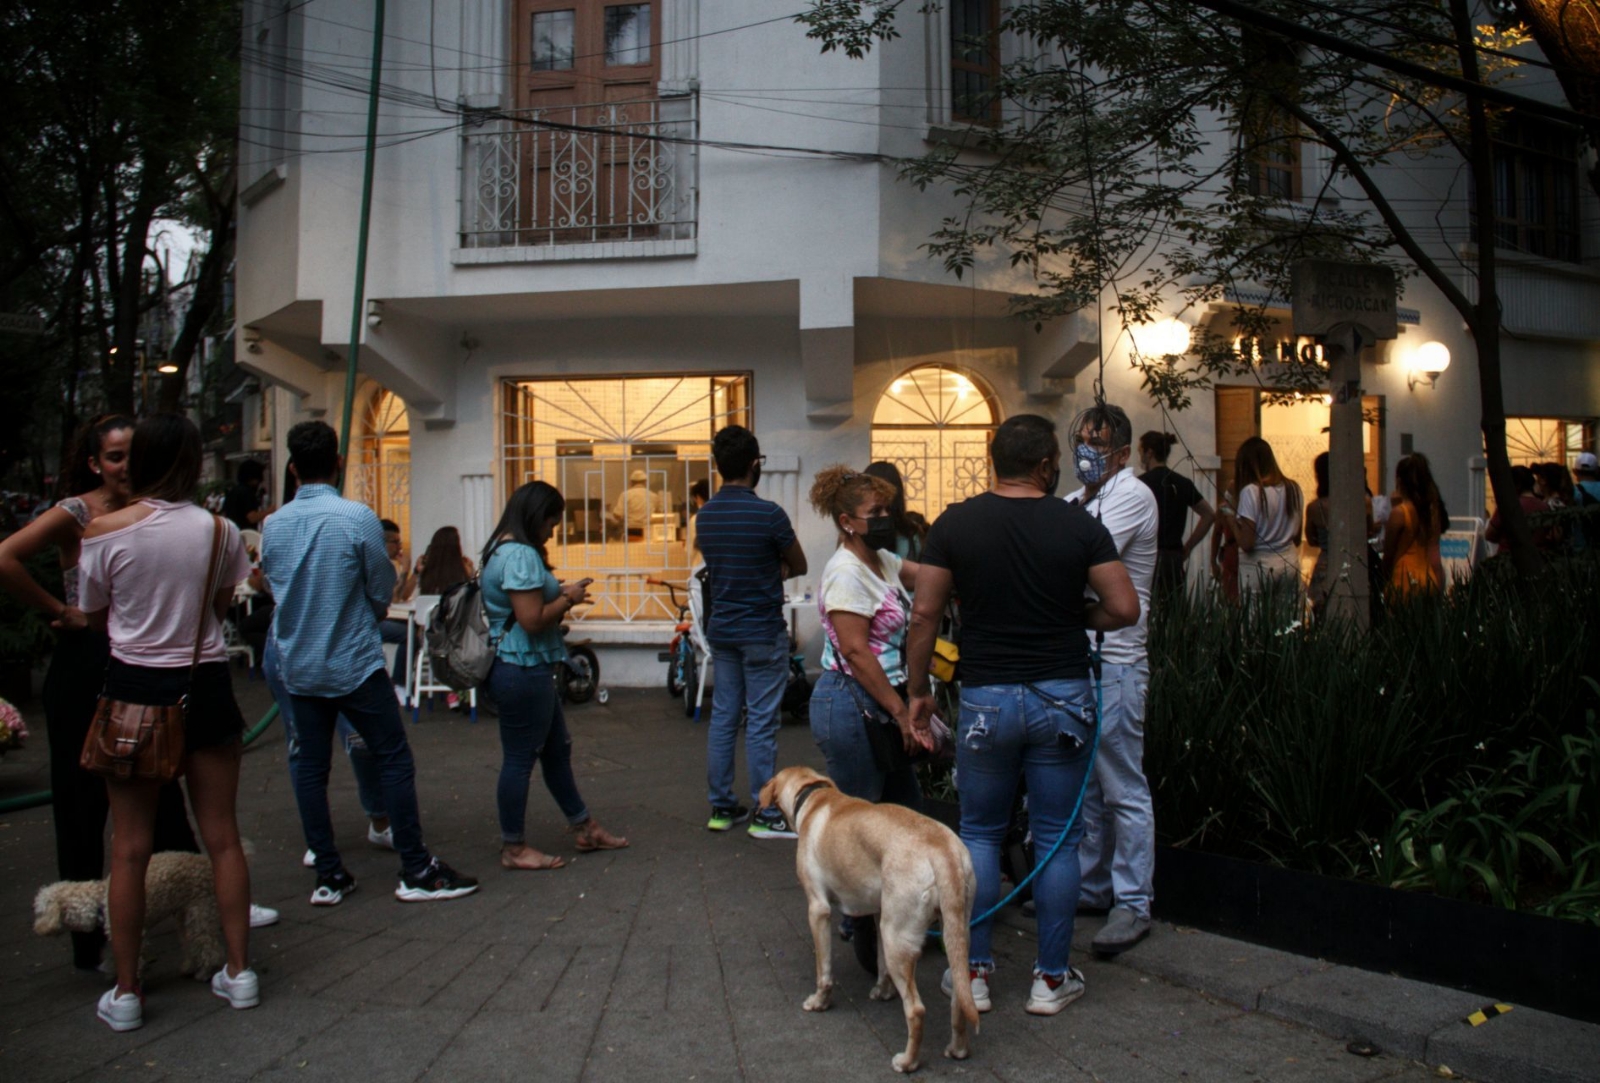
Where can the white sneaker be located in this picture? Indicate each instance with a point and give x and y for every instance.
(262, 916)
(310, 860)
(124, 1012)
(1047, 999)
(384, 838)
(241, 991)
(980, 988)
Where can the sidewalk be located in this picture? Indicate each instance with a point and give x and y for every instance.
(685, 957)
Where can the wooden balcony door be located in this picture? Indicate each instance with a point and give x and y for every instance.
(585, 64)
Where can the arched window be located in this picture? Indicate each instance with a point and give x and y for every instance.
(381, 476)
(934, 423)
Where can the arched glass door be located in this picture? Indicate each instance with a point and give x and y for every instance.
(381, 476)
(934, 423)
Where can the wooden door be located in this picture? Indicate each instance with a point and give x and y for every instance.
(1238, 419)
(588, 71)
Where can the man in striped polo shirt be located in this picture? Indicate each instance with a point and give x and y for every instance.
(750, 549)
(324, 558)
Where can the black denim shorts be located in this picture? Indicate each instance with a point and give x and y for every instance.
(212, 718)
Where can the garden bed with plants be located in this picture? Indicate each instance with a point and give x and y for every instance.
(1451, 751)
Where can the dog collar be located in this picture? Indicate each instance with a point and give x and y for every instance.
(805, 792)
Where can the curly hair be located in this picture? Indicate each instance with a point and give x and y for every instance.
(839, 490)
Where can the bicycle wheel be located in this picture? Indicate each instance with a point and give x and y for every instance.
(675, 668)
(583, 674)
(691, 678)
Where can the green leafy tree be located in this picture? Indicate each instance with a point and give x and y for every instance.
(1132, 174)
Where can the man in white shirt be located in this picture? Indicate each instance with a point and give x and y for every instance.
(633, 508)
(1117, 854)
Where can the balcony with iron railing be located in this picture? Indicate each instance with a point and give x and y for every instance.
(580, 182)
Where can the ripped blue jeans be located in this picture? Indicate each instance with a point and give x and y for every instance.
(1041, 732)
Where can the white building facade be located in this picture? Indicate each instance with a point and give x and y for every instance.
(638, 238)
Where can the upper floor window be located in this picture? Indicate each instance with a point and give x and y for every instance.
(1269, 159)
(1536, 189)
(974, 60)
(1272, 164)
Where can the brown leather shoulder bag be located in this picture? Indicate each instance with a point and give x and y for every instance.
(135, 741)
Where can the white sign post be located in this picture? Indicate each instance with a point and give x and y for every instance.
(1346, 306)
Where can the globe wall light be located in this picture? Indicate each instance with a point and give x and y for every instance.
(1160, 339)
(1425, 363)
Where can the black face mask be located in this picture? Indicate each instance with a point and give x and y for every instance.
(755, 475)
(1054, 484)
(880, 533)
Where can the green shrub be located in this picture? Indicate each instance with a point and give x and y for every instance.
(1300, 744)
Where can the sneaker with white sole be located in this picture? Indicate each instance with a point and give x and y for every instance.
(980, 987)
(262, 916)
(437, 881)
(382, 839)
(768, 823)
(241, 990)
(310, 860)
(121, 1011)
(1050, 995)
(331, 890)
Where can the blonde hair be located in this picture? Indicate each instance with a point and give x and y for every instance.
(839, 490)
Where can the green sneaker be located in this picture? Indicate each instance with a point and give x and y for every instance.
(768, 823)
(724, 818)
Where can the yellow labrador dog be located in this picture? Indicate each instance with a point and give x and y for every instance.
(889, 861)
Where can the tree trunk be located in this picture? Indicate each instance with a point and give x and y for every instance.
(207, 296)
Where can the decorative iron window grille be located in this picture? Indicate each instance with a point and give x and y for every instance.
(934, 423)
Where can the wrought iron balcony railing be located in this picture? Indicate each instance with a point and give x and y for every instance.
(577, 174)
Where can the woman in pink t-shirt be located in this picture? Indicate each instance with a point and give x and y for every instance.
(143, 572)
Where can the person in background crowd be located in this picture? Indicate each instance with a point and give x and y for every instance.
(144, 571)
(699, 493)
(441, 566)
(1020, 561)
(1118, 852)
(865, 612)
(324, 558)
(909, 527)
(97, 479)
(750, 549)
(1417, 520)
(1552, 483)
(1267, 522)
(1545, 538)
(391, 630)
(525, 604)
(1176, 496)
(243, 505)
(1318, 533)
(632, 510)
(1224, 560)
(1586, 495)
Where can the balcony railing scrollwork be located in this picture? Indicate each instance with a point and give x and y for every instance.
(578, 174)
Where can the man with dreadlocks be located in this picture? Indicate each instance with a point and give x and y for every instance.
(1117, 854)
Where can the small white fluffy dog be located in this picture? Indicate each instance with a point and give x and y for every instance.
(175, 885)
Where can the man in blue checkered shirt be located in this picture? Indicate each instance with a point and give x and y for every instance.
(324, 559)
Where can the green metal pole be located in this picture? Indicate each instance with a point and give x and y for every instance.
(358, 301)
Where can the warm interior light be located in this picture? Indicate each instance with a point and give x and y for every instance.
(1160, 339)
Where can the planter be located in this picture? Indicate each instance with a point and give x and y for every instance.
(1540, 962)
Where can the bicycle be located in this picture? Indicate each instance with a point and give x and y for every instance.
(681, 656)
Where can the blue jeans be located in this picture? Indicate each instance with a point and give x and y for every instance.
(1041, 733)
(372, 710)
(840, 731)
(362, 765)
(1118, 852)
(751, 676)
(532, 726)
(394, 631)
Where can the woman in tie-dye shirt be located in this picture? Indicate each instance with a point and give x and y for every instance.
(865, 611)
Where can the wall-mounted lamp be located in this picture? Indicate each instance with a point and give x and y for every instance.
(167, 368)
(374, 313)
(1425, 363)
(1160, 339)
(252, 340)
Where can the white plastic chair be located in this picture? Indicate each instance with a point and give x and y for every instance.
(697, 635)
(421, 680)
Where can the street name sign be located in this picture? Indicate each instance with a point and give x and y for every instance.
(1327, 293)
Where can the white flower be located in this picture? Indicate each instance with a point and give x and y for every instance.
(1479, 746)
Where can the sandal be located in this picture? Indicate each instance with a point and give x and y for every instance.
(591, 837)
(530, 859)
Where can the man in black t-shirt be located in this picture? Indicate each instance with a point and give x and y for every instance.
(243, 503)
(1175, 495)
(1019, 560)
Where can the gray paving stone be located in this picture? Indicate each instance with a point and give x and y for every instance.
(1395, 1013)
(1230, 969)
(1522, 1046)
